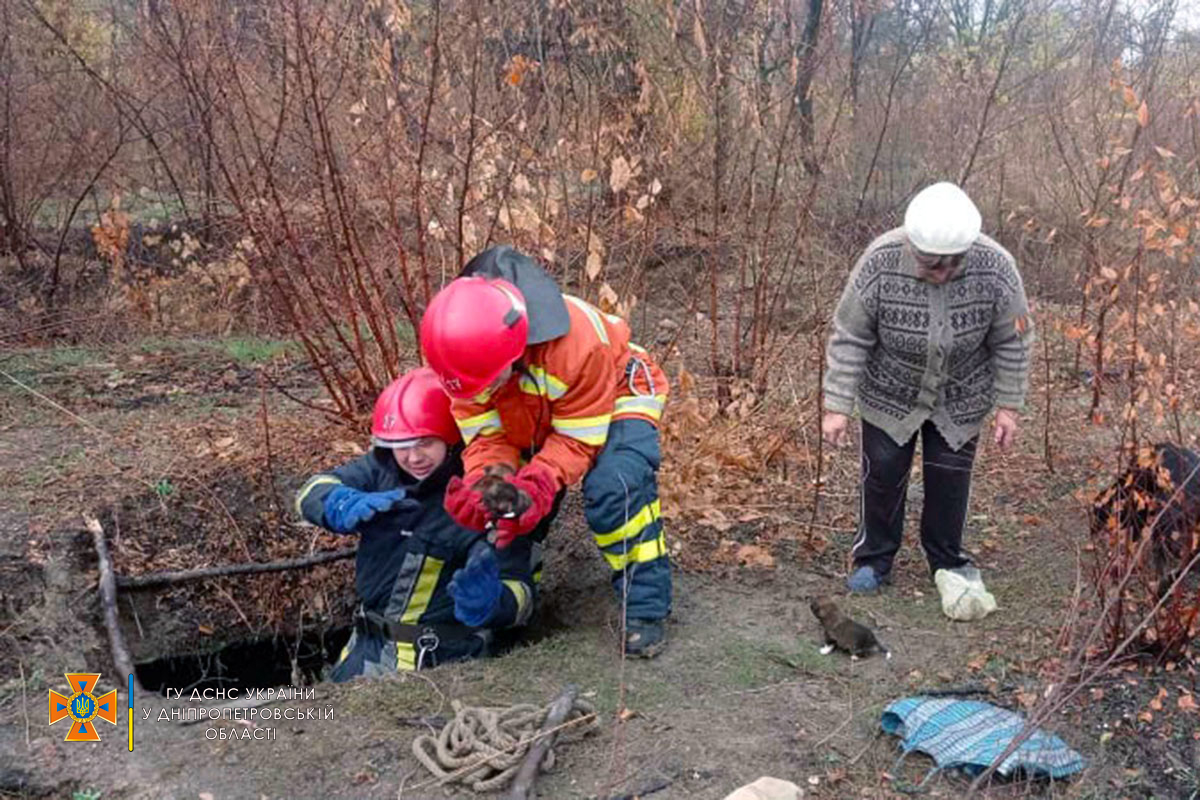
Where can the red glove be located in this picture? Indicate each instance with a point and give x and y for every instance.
(538, 484)
(465, 505)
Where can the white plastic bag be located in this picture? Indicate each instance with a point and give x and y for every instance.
(964, 597)
(768, 789)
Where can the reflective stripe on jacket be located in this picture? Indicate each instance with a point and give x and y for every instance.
(562, 397)
(406, 558)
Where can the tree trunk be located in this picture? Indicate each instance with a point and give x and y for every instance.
(806, 56)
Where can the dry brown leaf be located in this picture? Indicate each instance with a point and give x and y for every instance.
(715, 518)
(608, 299)
(587, 176)
(620, 175)
(595, 263)
(687, 383)
(1143, 114)
(699, 37)
(1187, 702)
(751, 555)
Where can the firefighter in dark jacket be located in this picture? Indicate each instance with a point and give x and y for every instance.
(430, 591)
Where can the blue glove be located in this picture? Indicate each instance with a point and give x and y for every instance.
(476, 587)
(347, 508)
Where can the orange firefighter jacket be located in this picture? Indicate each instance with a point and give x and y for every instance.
(561, 398)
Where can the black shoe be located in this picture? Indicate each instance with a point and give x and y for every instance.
(645, 638)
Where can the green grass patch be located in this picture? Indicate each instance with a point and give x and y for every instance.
(246, 350)
(258, 351)
(33, 367)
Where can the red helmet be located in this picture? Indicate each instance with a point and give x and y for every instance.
(411, 407)
(473, 330)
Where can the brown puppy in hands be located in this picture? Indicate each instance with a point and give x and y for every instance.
(843, 632)
(501, 498)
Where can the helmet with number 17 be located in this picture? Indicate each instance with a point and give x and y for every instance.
(472, 331)
(411, 408)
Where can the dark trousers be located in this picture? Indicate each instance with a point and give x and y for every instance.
(885, 470)
(620, 501)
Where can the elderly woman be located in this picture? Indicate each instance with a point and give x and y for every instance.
(932, 332)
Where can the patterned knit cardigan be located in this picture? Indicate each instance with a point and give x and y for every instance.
(909, 350)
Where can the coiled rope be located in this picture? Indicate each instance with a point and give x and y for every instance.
(484, 747)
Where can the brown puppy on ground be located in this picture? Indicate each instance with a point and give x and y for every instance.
(843, 632)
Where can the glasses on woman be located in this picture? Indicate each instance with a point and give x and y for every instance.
(939, 266)
(938, 262)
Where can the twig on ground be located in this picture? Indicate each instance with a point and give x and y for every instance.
(155, 579)
(108, 598)
(850, 717)
(527, 774)
(656, 785)
(133, 610)
(24, 701)
(863, 751)
(226, 594)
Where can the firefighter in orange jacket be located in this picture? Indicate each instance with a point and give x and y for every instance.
(548, 390)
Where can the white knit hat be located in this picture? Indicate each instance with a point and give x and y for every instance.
(941, 219)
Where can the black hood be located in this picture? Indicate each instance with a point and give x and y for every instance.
(548, 318)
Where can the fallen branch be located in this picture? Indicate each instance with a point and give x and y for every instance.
(656, 785)
(527, 774)
(153, 579)
(108, 598)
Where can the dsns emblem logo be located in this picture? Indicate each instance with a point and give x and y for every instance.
(83, 707)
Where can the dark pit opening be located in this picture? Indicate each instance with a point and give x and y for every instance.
(249, 664)
(268, 662)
